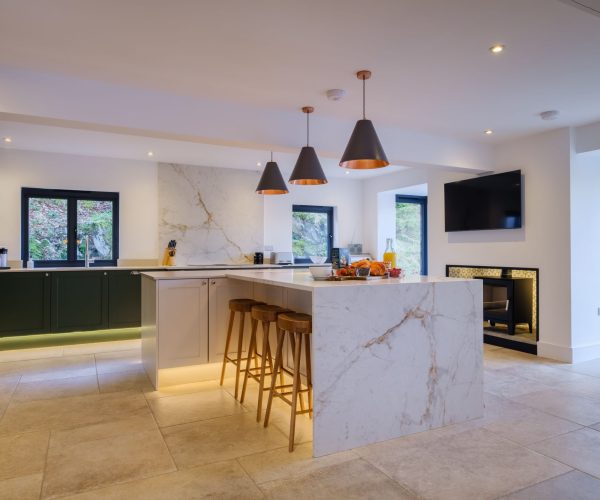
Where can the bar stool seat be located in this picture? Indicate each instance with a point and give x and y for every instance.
(298, 328)
(266, 314)
(242, 307)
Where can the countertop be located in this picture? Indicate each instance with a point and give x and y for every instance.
(293, 278)
(162, 268)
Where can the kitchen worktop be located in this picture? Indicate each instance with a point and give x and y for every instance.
(163, 268)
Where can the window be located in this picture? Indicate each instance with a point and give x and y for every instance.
(411, 233)
(55, 223)
(312, 232)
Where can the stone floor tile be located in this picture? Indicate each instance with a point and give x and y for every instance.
(101, 347)
(75, 467)
(119, 361)
(51, 368)
(591, 367)
(281, 464)
(472, 464)
(8, 384)
(223, 480)
(585, 386)
(21, 488)
(175, 410)
(178, 390)
(220, 439)
(69, 412)
(55, 388)
(530, 427)
(508, 385)
(580, 409)
(124, 381)
(355, 479)
(579, 449)
(574, 485)
(23, 454)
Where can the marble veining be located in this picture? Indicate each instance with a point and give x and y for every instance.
(214, 214)
(390, 361)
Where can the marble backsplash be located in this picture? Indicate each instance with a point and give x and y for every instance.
(213, 213)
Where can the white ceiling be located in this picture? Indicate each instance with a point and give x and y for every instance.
(432, 71)
(55, 139)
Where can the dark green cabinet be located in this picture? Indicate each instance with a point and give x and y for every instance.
(79, 300)
(24, 303)
(124, 299)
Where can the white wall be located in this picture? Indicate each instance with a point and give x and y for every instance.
(136, 181)
(345, 195)
(543, 242)
(585, 264)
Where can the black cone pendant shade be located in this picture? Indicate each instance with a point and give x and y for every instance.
(364, 151)
(271, 181)
(308, 170)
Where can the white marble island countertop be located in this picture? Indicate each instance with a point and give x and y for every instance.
(302, 279)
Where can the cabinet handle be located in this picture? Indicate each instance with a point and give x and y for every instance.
(134, 273)
(213, 282)
(47, 275)
(105, 273)
(204, 283)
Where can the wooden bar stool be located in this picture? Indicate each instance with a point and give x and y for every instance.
(298, 327)
(243, 307)
(265, 314)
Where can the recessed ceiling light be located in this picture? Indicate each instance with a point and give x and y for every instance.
(488, 131)
(347, 172)
(258, 164)
(551, 114)
(497, 48)
(7, 140)
(150, 153)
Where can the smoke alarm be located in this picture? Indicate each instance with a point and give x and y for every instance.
(551, 114)
(335, 94)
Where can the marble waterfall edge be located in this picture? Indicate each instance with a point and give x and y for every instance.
(213, 213)
(413, 362)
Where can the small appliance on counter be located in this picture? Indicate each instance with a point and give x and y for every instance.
(340, 257)
(169, 254)
(282, 258)
(4, 258)
(259, 258)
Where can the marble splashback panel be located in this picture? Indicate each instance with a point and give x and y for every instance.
(213, 213)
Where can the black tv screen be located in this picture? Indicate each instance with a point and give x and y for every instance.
(489, 202)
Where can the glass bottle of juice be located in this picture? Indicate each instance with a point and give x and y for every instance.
(389, 256)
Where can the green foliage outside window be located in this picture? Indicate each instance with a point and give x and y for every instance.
(309, 234)
(408, 237)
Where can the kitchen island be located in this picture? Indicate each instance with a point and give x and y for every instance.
(390, 357)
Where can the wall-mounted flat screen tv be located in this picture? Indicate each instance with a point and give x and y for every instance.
(489, 202)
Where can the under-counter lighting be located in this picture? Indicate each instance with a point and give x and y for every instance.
(151, 153)
(497, 48)
(7, 140)
(488, 131)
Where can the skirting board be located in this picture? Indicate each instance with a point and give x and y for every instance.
(565, 354)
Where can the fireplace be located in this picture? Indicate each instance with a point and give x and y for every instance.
(510, 304)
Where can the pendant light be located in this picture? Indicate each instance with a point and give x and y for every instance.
(308, 170)
(271, 181)
(364, 151)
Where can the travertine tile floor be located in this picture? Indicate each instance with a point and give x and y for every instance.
(84, 422)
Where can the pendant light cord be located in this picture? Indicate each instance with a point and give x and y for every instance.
(307, 129)
(271, 155)
(364, 117)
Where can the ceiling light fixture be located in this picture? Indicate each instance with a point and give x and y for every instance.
(271, 180)
(497, 48)
(335, 94)
(551, 114)
(7, 140)
(150, 153)
(308, 170)
(364, 151)
(488, 131)
(258, 164)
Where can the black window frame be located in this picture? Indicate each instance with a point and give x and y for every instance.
(72, 196)
(422, 201)
(317, 209)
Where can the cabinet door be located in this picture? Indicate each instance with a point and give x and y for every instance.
(221, 291)
(124, 299)
(79, 300)
(182, 322)
(24, 303)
